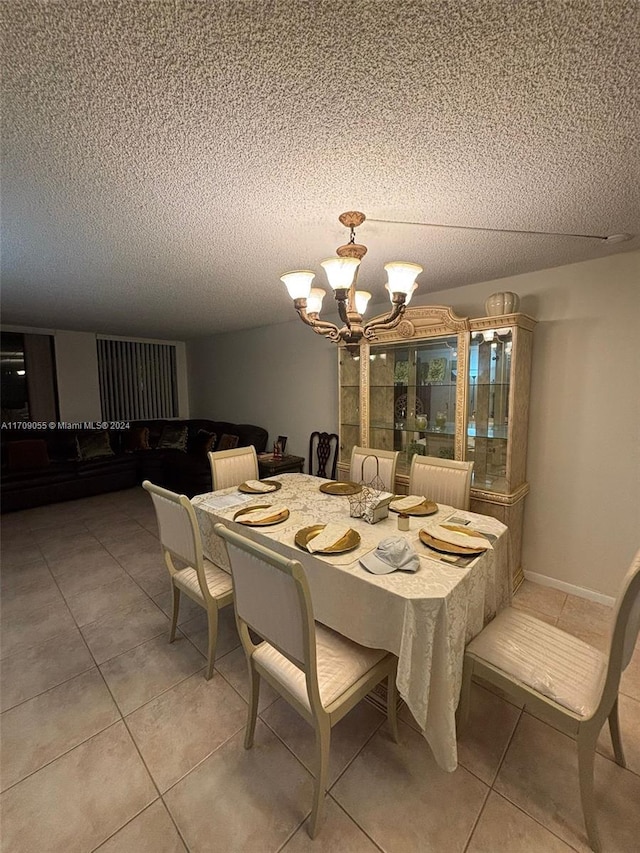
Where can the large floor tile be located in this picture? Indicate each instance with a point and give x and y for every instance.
(629, 714)
(404, 801)
(197, 630)
(248, 799)
(81, 561)
(544, 599)
(38, 626)
(78, 801)
(25, 674)
(182, 726)
(339, 833)
(17, 553)
(502, 826)
(491, 723)
(41, 729)
(189, 609)
(100, 570)
(16, 577)
(152, 831)
(347, 737)
(104, 600)
(125, 628)
(61, 546)
(147, 670)
(233, 667)
(41, 592)
(540, 775)
(153, 581)
(124, 544)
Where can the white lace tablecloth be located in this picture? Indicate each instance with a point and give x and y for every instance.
(424, 618)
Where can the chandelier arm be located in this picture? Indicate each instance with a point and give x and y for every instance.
(342, 308)
(320, 327)
(387, 322)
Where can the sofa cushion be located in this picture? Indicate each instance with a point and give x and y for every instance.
(228, 442)
(203, 442)
(173, 436)
(27, 455)
(92, 445)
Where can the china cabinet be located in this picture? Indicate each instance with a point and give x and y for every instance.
(451, 387)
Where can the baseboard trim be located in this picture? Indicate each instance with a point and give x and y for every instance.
(580, 591)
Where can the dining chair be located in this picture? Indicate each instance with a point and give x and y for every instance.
(363, 469)
(441, 480)
(573, 684)
(232, 467)
(321, 673)
(323, 454)
(204, 583)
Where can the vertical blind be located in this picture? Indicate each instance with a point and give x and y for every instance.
(137, 380)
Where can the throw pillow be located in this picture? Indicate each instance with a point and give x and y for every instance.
(27, 455)
(174, 437)
(93, 445)
(138, 439)
(205, 441)
(228, 442)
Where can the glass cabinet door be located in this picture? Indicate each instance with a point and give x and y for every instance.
(412, 389)
(349, 384)
(488, 395)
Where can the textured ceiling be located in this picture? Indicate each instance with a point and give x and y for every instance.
(165, 162)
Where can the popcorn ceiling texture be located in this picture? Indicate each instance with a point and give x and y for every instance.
(165, 162)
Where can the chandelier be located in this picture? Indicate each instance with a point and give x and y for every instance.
(342, 275)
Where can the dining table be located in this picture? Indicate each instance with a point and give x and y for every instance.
(425, 617)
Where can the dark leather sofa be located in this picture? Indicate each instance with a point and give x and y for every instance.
(41, 466)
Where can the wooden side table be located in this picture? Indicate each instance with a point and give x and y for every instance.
(287, 464)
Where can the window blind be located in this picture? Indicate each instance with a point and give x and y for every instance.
(137, 380)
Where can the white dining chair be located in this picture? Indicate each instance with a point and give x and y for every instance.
(441, 480)
(321, 673)
(204, 583)
(571, 683)
(232, 467)
(364, 467)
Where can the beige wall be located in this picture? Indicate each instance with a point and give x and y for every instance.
(582, 518)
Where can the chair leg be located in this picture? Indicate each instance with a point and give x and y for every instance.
(586, 759)
(392, 705)
(252, 713)
(616, 740)
(212, 618)
(462, 714)
(323, 746)
(175, 598)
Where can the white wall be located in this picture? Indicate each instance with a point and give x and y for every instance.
(582, 518)
(77, 376)
(283, 378)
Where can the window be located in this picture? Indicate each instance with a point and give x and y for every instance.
(137, 380)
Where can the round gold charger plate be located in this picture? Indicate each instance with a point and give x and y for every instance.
(424, 508)
(341, 488)
(249, 491)
(348, 542)
(446, 547)
(276, 519)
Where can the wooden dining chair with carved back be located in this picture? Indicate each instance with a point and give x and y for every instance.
(323, 454)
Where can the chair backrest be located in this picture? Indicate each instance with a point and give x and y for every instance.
(323, 454)
(232, 467)
(441, 480)
(178, 530)
(271, 595)
(625, 630)
(363, 469)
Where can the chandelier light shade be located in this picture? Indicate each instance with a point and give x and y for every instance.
(342, 275)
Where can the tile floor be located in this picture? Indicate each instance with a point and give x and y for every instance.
(113, 741)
